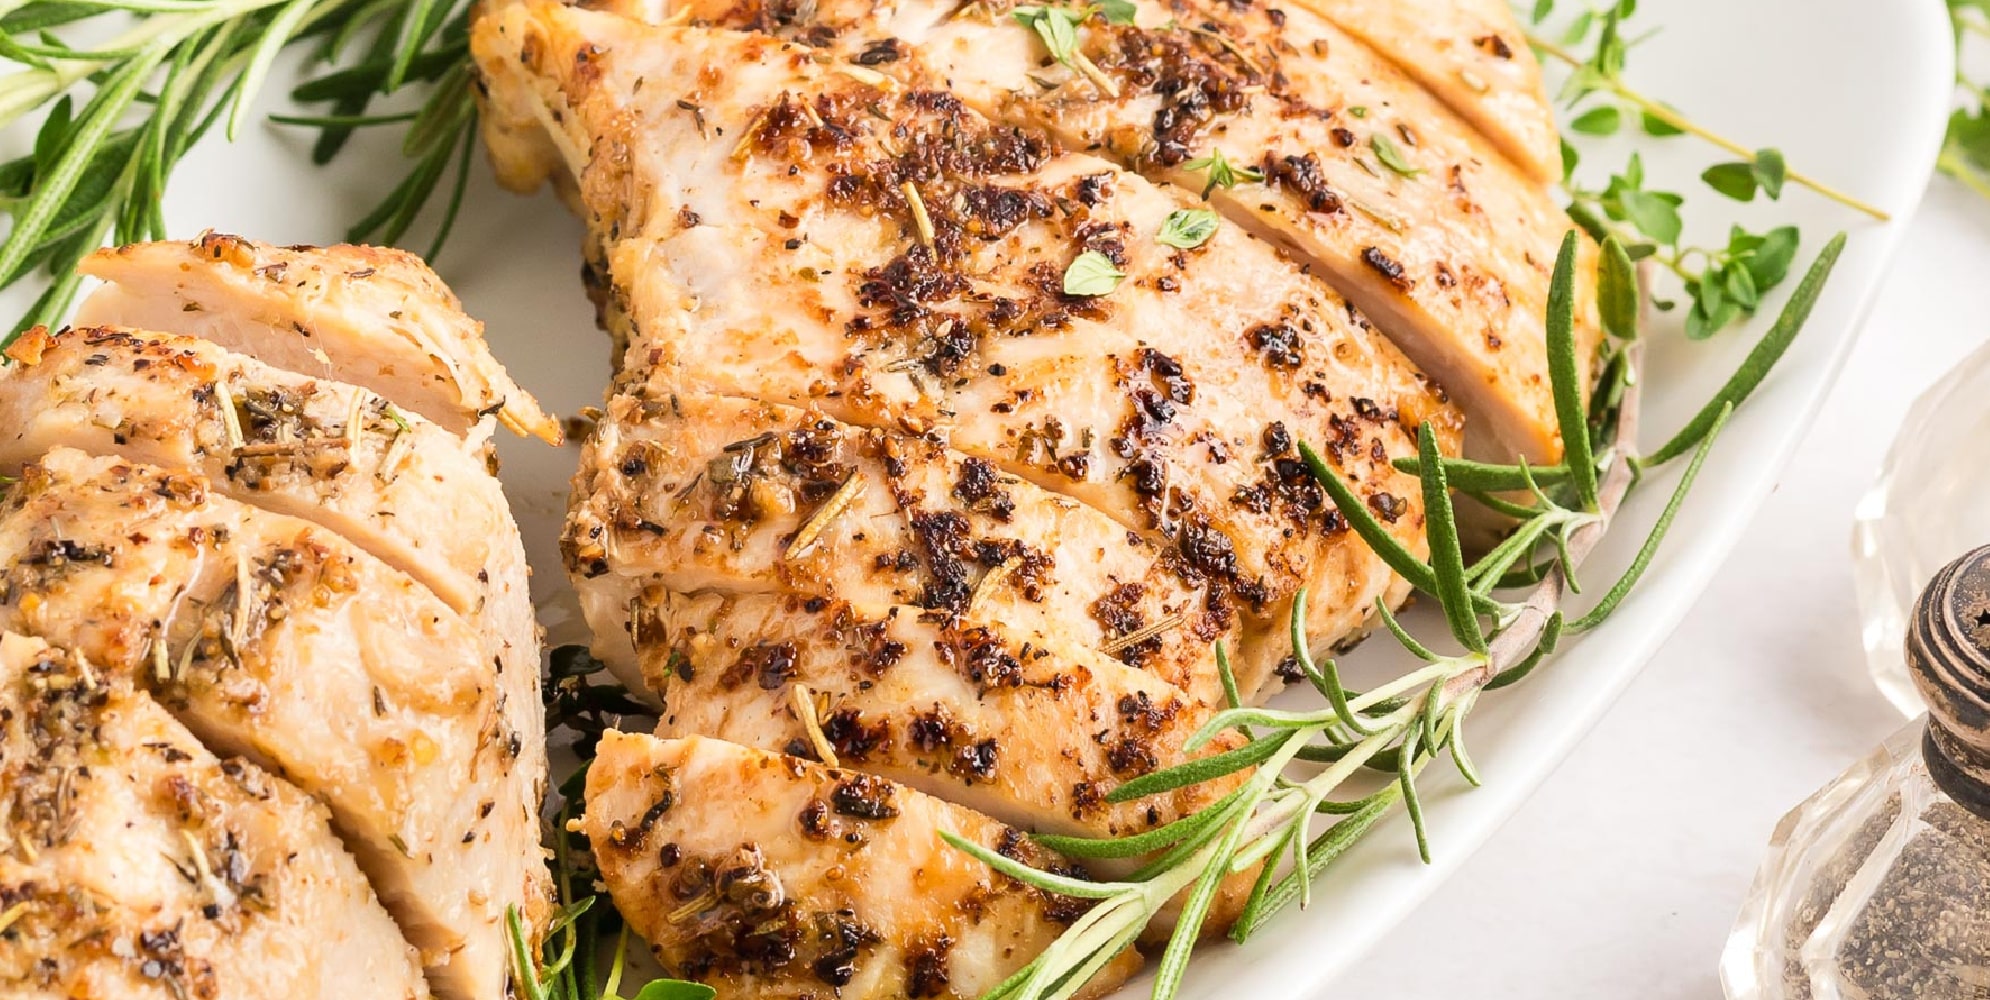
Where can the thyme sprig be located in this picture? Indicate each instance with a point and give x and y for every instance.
(1965, 152)
(1402, 725)
(120, 114)
(1724, 283)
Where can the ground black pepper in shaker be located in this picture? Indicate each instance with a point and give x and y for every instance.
(1878, 886)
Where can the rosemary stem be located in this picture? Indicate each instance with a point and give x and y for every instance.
(1673, 118)
(27, 89)
(1269, 822)
(1442, 668)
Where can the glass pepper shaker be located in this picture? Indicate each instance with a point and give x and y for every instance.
(1927, 503)
(1878, 886)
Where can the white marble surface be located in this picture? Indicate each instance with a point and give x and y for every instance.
(1620, 878)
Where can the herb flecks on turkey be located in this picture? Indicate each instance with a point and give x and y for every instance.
(771, 243)
(273, 518)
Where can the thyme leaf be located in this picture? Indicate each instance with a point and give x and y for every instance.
(1091, 274)
(1723, 283)
(1187, 228)
(1221, 173)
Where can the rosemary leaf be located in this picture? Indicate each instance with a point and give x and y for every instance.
(1447, 557)
(1409, 642)
(524, 971)
(1760, 360)
(1622, 588)
(1229, 676)
(1617, 295)
(1571, 413)
(106, 107)
(342, 121)
(1383, 761)
(420, 22)
(462, 184)
(1466, 769)
(41, 16)
(333, 138)
(1140, 843)
(1326, 680)
(1467, 476)
(1406, 780)
(1075, 981)
(1325, 850)
(1199, 770)
(1063, 885)
(275, 36)
(1383, 544)
(369, 77)
(1188, 921)
(1356, 514)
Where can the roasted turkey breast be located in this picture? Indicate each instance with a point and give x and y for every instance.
(369, 316)
(959, 397)
(138, 864)
(756, 265)
(1330, 151)
(774, 877)
(1473, 56)
(319, 578)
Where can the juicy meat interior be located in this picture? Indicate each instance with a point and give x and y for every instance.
(317, 579)
(138, 864)
(771, 876)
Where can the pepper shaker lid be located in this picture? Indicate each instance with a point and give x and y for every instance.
(1948, 655)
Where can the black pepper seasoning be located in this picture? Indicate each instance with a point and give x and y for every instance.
(1878, 887)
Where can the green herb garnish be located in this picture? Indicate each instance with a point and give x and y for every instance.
(1091, 274)
(1966, 149)
(1391, 155)
(1221, 173)
(1723, 284)
(1188, 228)
(1058, 28)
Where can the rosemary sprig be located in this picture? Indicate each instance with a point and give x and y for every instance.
(119, 115)
(1401, 725)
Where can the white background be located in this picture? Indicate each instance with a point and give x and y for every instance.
(1620, 878)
